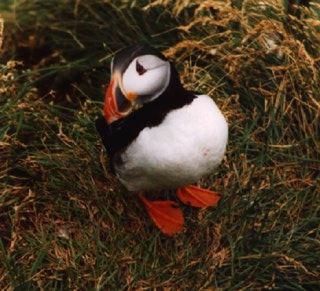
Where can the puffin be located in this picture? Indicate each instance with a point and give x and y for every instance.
(160, 136)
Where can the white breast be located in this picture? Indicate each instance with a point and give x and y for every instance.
(188, 144)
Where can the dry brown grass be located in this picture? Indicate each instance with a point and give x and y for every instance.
(1, 31)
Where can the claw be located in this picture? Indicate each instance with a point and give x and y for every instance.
(198, 197)
(166, 215)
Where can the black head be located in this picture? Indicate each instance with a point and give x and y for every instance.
(139, 74)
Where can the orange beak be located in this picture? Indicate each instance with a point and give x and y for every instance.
(110, 108)
(116, 105)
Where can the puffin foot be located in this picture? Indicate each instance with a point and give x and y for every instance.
(166, 215)
(197, 197)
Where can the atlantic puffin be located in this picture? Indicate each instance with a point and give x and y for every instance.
(160, 136)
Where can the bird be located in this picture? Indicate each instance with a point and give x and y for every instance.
(160, 136)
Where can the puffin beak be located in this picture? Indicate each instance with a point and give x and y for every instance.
(116, 105)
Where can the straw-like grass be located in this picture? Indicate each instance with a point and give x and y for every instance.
(66, 223)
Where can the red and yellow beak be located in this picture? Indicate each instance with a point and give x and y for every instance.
(117, 104)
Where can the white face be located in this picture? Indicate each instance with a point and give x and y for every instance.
(146, 75)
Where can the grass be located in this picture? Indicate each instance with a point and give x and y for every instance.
(66, 223)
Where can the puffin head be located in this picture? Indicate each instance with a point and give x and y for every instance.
(139, 75)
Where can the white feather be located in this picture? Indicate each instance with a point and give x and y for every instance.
(153, 82)
(188, 144)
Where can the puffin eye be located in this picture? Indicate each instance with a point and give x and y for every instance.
(140, 69)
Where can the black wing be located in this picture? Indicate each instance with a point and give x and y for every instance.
(114, 137)
(105, 133)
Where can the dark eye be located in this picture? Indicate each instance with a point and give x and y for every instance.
(140, 69)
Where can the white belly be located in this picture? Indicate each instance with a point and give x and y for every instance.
(188, 144)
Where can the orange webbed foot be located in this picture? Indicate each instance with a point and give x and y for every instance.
(166, 215)
(198, 197)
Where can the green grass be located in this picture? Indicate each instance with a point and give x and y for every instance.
(66, 223)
